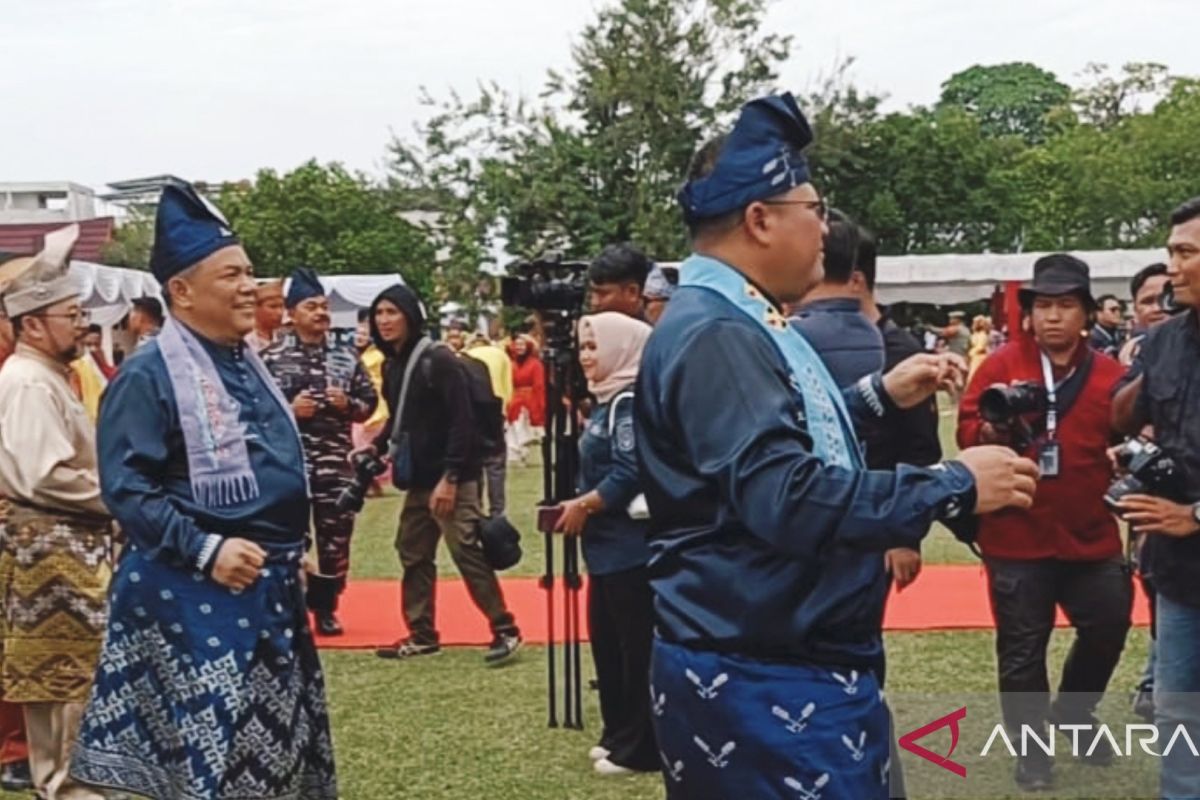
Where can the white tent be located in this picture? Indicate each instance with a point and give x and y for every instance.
(958, 278)
(108, 292)
(954, 278)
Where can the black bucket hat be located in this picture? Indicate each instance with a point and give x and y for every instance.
(501, 542)
(1058, 274)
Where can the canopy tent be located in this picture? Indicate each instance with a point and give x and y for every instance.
(953, 278)
(108, 292)
(961, 278)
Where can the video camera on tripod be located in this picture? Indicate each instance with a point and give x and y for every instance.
(557, 290)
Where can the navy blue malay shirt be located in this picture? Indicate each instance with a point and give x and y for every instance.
(757, 547)
(612, 540)
(1170, 400)
(850, 344)
(144, 467)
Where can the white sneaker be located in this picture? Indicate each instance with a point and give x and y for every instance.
(597, 753)
(610, 770)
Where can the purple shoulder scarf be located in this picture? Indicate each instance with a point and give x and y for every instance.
(215, 439)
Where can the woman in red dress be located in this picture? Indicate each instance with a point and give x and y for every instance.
(527, 409)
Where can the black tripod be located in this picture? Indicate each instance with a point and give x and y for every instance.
(560, 466)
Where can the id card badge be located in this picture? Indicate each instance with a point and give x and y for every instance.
(1048, 459)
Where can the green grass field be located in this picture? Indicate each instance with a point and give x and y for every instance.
(448, 728)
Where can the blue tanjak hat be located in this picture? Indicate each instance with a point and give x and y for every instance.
(303, 285)
(187, 229)
(762, 157)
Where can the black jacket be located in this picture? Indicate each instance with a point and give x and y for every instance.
(438, 417)
(910, 437)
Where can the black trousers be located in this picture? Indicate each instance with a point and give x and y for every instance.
(1096, 596)
(620, 619)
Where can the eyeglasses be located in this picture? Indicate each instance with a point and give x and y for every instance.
(80, 317)
(818, 206)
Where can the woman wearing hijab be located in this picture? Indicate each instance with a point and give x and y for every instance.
(614, 544)
(527, 409)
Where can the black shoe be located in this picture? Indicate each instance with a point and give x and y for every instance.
(327, 624)
(15, 777)
(1143, 703)
(407, 648)
(502, 648)
(1035, 774)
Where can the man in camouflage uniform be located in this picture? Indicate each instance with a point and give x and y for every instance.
(329, 391)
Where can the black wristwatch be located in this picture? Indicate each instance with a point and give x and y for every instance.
(1196, 513)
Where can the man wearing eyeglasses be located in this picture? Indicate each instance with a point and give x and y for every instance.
(769, 530)
(57, 532)
(329, 390)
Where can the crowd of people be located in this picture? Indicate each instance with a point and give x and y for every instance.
(759, 463)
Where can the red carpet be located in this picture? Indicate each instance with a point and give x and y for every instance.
(945, 597)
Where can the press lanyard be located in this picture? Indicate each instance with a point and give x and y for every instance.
(1051, 397)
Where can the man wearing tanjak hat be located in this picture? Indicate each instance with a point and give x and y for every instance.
(208, 684)
(14, 750)
(268, 315)
(329, 390)
(769, 532)
(55, 564)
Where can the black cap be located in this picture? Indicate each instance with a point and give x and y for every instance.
(1058, 274)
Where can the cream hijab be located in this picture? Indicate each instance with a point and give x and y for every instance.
(619, 342)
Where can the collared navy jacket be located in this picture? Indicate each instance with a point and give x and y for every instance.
(757, 547)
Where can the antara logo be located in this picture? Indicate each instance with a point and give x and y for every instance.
(909, 742)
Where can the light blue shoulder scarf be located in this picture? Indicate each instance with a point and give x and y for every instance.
(827, 418)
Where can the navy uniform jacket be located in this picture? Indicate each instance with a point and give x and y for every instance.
(612, 540)
(849, 343)
(757, 547)
(144, 468)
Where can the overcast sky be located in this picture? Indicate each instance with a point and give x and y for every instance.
(102, 90)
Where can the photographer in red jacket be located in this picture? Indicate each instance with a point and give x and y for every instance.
(1066, 550)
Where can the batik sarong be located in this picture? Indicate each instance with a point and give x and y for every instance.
(730, 728)
(204, 692)
(54, 575)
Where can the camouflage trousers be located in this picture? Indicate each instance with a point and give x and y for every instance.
(332, 530)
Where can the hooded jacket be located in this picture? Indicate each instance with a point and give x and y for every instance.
(437, 416)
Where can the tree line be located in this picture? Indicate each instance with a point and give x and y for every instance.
(1010, 158)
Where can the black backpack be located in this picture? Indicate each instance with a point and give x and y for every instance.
(487, 407)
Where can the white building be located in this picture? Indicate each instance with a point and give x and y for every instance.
(45, 202)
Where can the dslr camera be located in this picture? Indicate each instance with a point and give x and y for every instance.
(367, 467)
(1001, 404)
(1148, 470)
(1005, 405)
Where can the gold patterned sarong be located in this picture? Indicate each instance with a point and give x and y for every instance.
(54, 574)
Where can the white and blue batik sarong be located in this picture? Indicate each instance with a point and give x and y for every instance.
(207, 693)
(733, 728)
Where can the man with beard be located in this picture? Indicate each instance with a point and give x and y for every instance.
(209, 686)
(432, 442)
(57, 531)
(329, 391)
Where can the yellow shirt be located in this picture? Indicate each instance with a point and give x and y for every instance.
(92, 384)
(372, 361)
(499, 367)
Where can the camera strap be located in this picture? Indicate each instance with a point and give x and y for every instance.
(1051, 396)
(422, 345)
(1061, 398)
